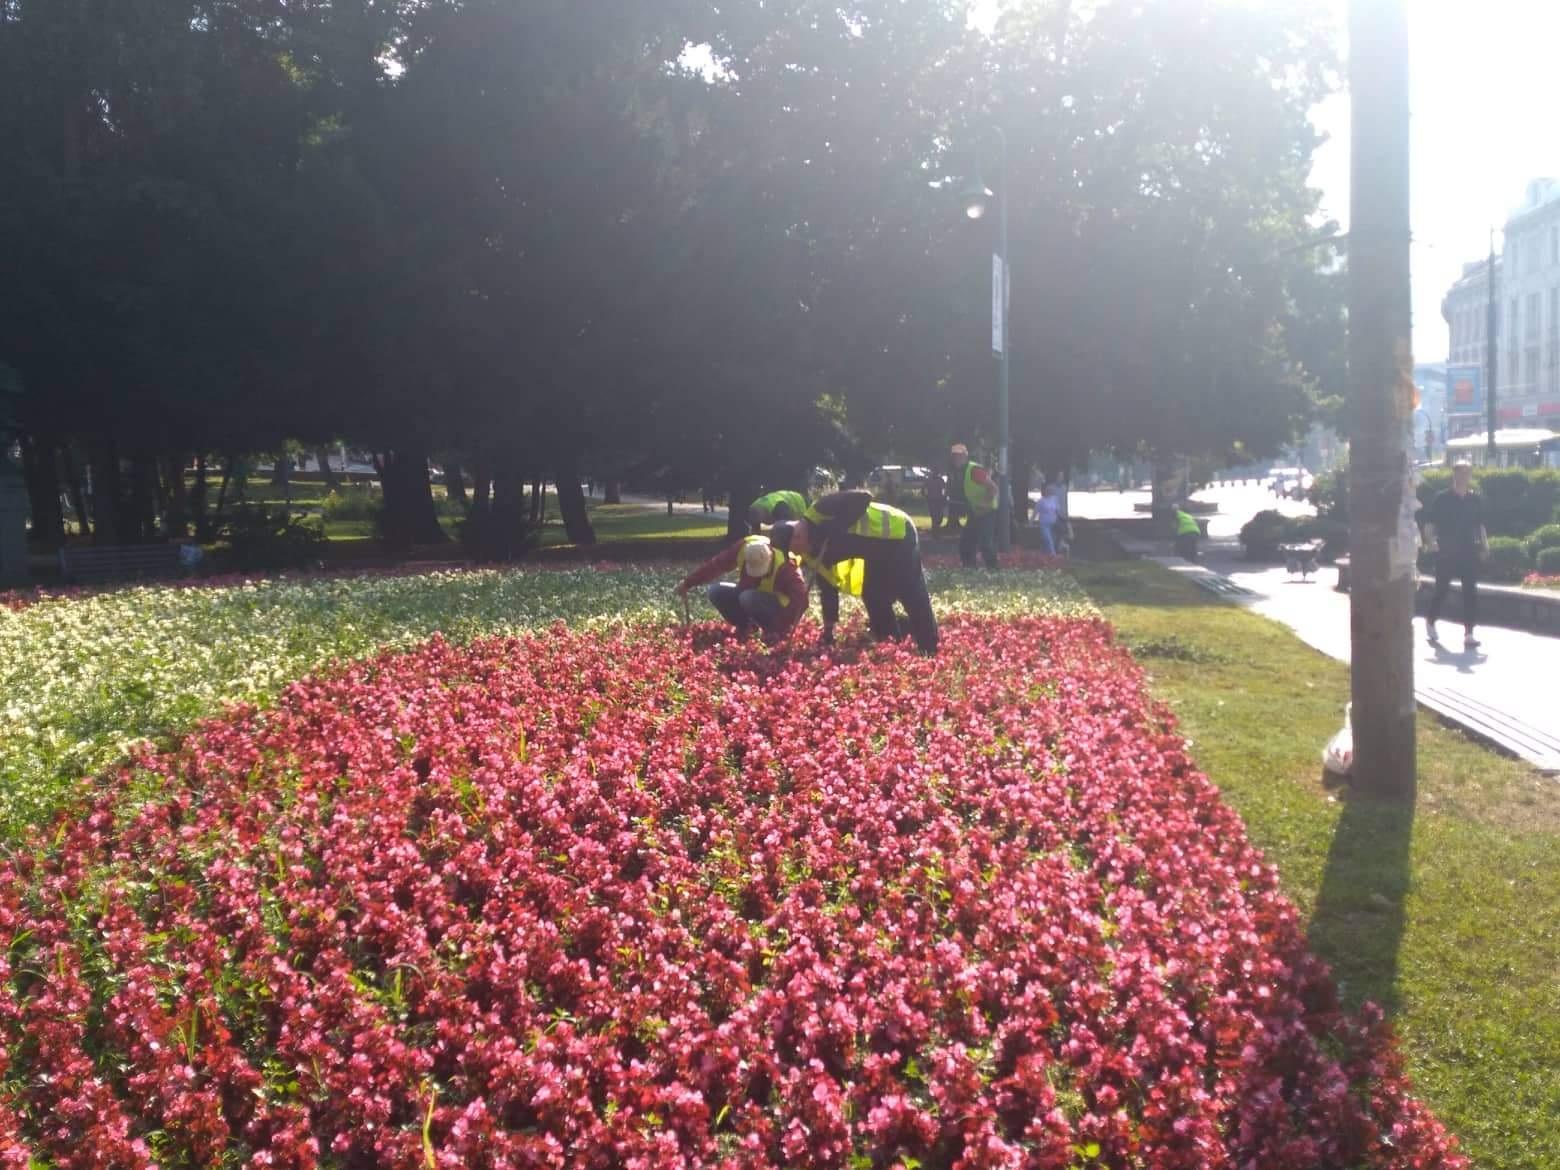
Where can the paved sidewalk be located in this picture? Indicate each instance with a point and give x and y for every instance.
(1505, 691)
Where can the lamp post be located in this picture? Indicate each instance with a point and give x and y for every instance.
(977, 199)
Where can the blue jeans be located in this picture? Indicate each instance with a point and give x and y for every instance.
(1048, 536)
(745, 607)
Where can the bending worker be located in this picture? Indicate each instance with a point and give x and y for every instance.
(776, 508)
(870, 551)
(975, 486)
(769, 592)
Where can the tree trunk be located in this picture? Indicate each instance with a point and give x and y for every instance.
(613, 492)
(197, 501)
(327, 472)
(481, 487)
(409, 515)
(741, 490)
(508, 515)
(222, 493)
(571, 502)
(178, 496)
(455, 482)
(107, 508)
(538, 501)
(40, 467)
(78, 495)
(144, 490)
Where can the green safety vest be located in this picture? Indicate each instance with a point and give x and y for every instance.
(1185, 524)
(765, 505)
(766, 583)
(980, 500)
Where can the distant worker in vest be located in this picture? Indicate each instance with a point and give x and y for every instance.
(776, 508)
(769, 591)
(1186, 534)
(872, 551)
(978, 489)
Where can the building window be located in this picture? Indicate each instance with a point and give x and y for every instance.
(1534, 320)
(1554, 245)
(1554, 340)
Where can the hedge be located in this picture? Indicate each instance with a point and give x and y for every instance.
(1515, 501)
(1548, 562)
(1509, 560)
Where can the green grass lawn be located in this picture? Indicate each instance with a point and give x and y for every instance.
(1447, 913)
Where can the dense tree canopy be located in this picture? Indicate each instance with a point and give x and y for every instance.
(659, 240)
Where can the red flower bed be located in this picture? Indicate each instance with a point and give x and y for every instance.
(630, 901)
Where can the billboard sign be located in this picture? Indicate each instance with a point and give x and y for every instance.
(1464, 389)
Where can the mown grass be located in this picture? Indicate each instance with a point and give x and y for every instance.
(1446, 912)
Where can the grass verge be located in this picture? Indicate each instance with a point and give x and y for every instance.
(1446, 912)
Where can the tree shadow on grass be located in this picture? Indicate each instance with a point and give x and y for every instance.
(1358, 923)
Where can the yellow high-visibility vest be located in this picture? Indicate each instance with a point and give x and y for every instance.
(981, 499)
(847, 576)
(766, 583)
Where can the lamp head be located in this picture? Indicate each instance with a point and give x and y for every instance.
(977, 198)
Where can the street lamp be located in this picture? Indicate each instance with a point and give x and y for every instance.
(977, 200)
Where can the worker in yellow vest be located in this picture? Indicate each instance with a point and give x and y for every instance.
(977, 487)
(776, 508)
(871, 551)
(770, 591)
(1186, 534)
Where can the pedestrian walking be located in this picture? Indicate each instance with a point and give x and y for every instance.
(769, 592)
(936, 498)
(1455, 534)
(979, 491)
(1048, 515)
(871, 551)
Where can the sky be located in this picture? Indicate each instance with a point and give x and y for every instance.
(1482, 127)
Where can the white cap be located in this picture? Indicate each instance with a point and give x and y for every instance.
(757, 557)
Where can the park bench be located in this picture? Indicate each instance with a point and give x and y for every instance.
(121, 562)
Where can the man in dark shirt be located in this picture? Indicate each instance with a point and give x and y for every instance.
(1455, 534)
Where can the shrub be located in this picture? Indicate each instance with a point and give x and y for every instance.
(352, 503)
(1548, 562)
(1547, 537)
(264, 538)
(1330, 494)
(1509, 560)
(1265, 531)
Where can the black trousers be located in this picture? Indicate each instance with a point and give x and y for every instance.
(892, 576)
(979, 535)
(1466, 569)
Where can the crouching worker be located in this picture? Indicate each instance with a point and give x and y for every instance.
(870, 551)
(776, 508)
(769, 592)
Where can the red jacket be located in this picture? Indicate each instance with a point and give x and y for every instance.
(789, 583)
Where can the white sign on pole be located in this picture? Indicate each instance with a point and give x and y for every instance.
(997, 339)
